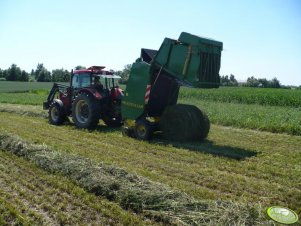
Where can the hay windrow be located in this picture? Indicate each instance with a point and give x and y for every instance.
(154, 200)
(26, 110)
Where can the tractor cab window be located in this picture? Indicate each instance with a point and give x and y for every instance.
(81, 80)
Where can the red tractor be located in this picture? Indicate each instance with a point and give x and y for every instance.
(86, 100)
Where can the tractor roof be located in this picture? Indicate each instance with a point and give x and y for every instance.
(97, 70)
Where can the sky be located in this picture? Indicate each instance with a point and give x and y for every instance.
(261, 38)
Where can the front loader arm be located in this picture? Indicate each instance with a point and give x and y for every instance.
(55, 88)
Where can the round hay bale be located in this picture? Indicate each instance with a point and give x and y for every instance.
(203, 125)
(184, 123)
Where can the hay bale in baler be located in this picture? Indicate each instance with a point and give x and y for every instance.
(183, 122)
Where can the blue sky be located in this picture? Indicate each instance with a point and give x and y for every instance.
(262, 38)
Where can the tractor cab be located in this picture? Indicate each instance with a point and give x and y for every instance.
(96, 78)
(100, 83)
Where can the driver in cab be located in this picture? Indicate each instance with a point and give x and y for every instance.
(97, 84)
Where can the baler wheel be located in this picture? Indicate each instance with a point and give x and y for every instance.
(143, 130)
(127, 132)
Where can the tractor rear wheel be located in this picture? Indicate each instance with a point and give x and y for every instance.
(143, 129)
(85, 111)
(56, 114)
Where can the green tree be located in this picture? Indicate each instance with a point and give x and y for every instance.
(263, 82)
(79, 67)
(5, 73)
(44, 76)
(14, 73)
(60, 75)
(252, 82)
(1, 73)
(233, 81)
(275, 83)
(40, 67)
(226, 81)
(24, 76)
(124, 74)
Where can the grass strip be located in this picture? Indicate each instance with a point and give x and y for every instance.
(139, 194)
(245, 95)
(28, 110)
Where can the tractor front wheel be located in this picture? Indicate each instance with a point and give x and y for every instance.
(85, 111)
(56, 114)
(143, 129)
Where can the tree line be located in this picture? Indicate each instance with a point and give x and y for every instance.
(40, 74)
(226, 80)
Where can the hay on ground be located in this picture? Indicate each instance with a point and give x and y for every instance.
(154, 200)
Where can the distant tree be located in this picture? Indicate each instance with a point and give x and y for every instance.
(32, 76)
(1, 73)
(4, 73)
(40, 67)
(32, 72)
(66, 76)
(79, 67)
(226, 81)
(252, 82)
(13, 73)
(124, 74)
(233, 81)
(44, 76)
(60, 75)
(274, 83)
(263, 82)
(24, 76)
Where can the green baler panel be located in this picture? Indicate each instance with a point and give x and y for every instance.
(192, 59)
(133, 102)
(196, 40)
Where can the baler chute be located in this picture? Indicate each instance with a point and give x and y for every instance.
(150, 101)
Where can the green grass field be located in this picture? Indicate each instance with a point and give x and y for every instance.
(245, 95)
(230, 178)
(8, 87)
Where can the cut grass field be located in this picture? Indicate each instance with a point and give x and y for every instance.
(235, 169)
(31, 196)
(268, 172)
